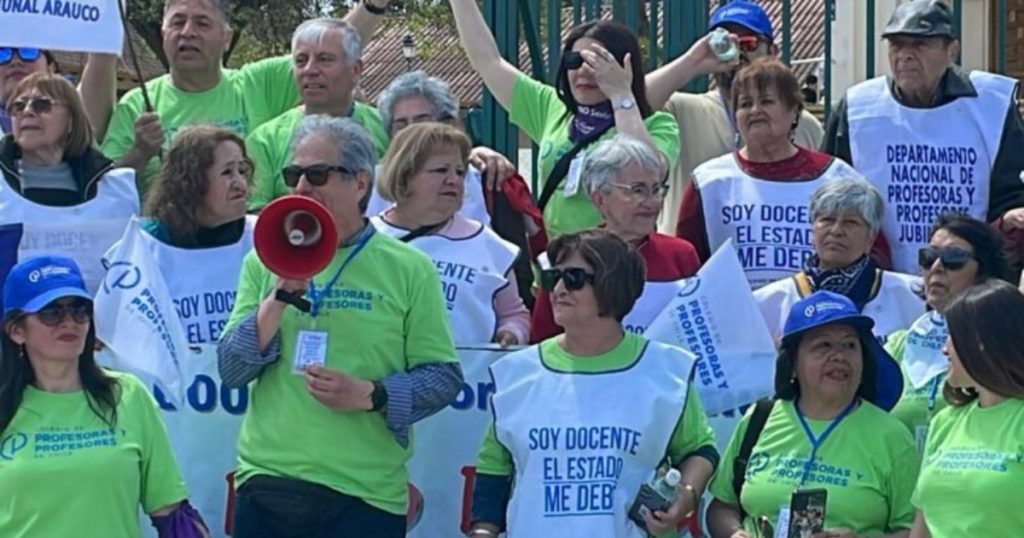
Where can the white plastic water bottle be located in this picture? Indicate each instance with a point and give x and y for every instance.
(723, 47)
(666, 485)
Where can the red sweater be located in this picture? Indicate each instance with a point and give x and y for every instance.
(668, 259)
(805, 165)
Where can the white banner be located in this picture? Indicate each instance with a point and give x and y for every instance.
(69, 25)
(715, 317)
(136, 318)
(445, 448)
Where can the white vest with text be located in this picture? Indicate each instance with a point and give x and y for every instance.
(82, 232)
(472, 271)
(927, 161)
(768, 221)
(581, 456)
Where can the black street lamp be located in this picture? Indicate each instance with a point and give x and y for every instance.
(408, 50)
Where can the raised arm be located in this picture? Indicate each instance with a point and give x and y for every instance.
(477, 41)
(699, 60)
(365, 21)
(98, 89)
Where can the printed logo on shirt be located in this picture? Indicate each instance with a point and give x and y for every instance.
(769, 237)
(926, 181)
(957, 460)
(11, 444)
(212, 308)
(238, 125)
(59, 442)
(339, 298)
(581, 466)
(758, 462)
(790, 470)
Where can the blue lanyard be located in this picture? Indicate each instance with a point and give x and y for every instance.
(820, 440)
(317, 297)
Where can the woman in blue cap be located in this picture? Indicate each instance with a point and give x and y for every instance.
(81, 448)
(827, 428)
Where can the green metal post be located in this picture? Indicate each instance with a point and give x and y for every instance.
(577, 12)
(593, 10)
(502, 17)
(830, 9)
(685, 23)
(869, 67)
(1003, 14)
(787, 30)
(652, 35)
(554, 38)
(530, 12)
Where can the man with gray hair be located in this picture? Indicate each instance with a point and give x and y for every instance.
(327, 62)
(933, 137)
(337, 387)
(626, 181)
(199, 90)
(846, 215)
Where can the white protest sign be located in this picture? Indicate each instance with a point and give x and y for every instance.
(70, 25)
(715, 317)
(446, 444)
(136, 318)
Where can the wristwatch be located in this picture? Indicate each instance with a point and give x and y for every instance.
(373, 8)
(626, 103)
(379, 396)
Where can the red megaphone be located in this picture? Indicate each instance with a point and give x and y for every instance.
(295, 237)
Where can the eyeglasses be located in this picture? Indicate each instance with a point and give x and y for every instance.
(26, 54)
(316, 174)
(642, 191)
(572, 60)
(38, 105)
(573, 277)
(748, 43)
(953, 258)
(53, 314)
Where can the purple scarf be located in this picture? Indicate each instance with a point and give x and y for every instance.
(590, 119)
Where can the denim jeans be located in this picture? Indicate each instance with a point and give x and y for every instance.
(274, 507)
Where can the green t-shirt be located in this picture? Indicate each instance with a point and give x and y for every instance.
(379, 322)
(916, 406)
(868, 465)
(269, 147)
(536, 109)
(973, 471)
(64, 472)
(692, 432)
(243, 100)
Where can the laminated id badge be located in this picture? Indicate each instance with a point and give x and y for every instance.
(572, 178)
(310, 350)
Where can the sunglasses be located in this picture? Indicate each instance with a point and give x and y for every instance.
(748, 43)
(316, 174)
(573, 60)
(953, 258)
(574, 278)
(38, 105)
(26, 54)
(53, 314)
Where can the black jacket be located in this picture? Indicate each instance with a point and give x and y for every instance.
(87, 169)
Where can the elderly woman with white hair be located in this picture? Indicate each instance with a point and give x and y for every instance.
(626, 182)
(845, 218)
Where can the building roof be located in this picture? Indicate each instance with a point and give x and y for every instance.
(383, 59)
(73, 62)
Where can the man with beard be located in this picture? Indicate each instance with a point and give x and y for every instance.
(707, 124)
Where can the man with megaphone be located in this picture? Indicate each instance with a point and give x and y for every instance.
(345, 335)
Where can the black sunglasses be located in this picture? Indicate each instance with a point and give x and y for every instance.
(953, 258)
(574, 277)
(572, 60)
(25, 53)
(53, 314)
(39, 105)
(316, 174)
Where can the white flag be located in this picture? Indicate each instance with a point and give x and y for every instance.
(80, 26)
(716, 318)
(136, 318)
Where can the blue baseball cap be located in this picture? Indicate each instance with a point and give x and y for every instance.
(746, 14)
(38, 281)
(825, 308)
